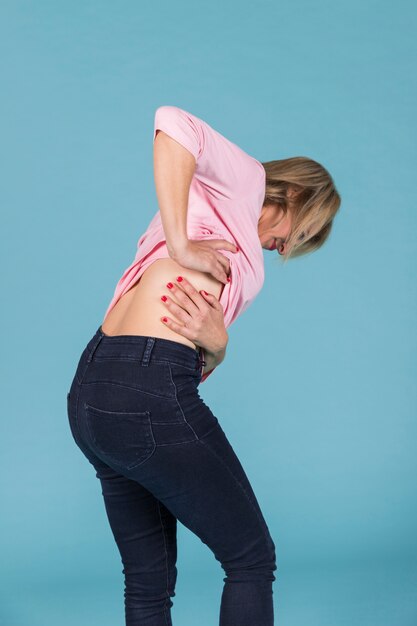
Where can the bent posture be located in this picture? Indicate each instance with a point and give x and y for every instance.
(134, 407)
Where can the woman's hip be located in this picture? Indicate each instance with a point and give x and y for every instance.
(131, 394)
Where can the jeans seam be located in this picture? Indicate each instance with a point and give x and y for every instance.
(264, 530)
(166, 561)
(176, 443)
(178, 403)
(112, 382)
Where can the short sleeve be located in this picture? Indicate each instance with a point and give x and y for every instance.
(222, 167)
(185, 128)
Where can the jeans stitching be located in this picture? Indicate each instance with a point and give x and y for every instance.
(177, 443)
(131, 466)
(178, 403)
(134, 357)
(111, 382)
(116, 413)
(166, 560)
(261, 521)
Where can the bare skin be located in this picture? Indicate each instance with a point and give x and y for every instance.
(140, 310)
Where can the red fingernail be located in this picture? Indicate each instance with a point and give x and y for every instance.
(228, 279)
(164, 319)
(205, 292)
(237, 249)
(164, 298)
(179, 278)
(170, 285)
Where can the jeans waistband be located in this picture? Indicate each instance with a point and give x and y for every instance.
(145, 349)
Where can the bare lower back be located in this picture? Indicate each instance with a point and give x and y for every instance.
(139, 310)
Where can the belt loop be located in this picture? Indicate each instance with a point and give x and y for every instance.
(95, 342)
(150, 341)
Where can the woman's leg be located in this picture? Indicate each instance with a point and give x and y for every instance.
(203, 484)
(162, 456)
(144, 530)
(146, 536)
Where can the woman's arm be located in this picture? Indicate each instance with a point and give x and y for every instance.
(174, 168)
(179, 141)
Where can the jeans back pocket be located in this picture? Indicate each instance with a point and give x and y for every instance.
(121, 437)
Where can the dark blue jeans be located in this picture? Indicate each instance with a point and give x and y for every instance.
(161, 455)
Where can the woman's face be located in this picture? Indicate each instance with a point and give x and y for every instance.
(274, 228)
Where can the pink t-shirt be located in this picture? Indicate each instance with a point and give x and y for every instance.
(225, 201)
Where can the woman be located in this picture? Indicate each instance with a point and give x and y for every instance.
(134, 407)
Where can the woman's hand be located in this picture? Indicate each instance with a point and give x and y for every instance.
(201, 316)
(202, 255)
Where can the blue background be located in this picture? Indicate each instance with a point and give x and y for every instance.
(317, 393)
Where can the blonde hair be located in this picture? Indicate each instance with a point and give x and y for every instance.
(313, 208)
